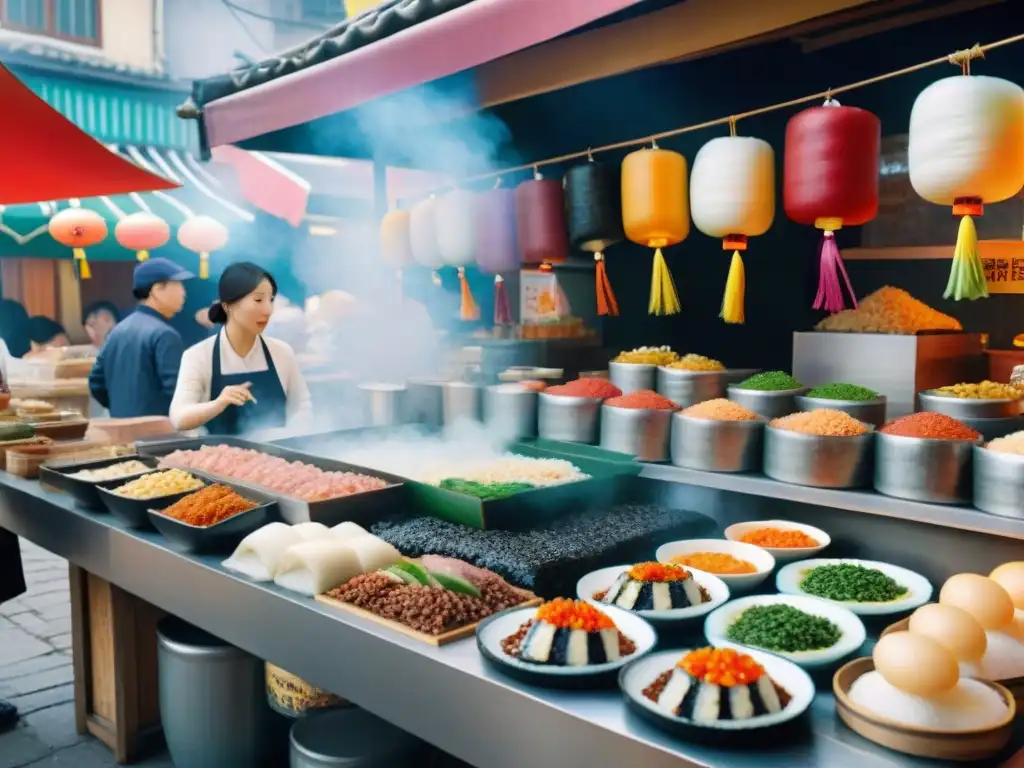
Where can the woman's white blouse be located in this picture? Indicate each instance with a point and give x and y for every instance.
(196, 373)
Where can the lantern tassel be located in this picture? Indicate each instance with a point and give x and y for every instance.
(830, 289)
(142, 255)
(204, 265)
(84, 273)
(664, 299)
(606, 303)
(502, 307)
(469, 310)
(735, 292)
(967, 276)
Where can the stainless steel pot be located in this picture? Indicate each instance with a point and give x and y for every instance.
(384, 405)
(510, 411)
(770, 405)
(816, 460)
(573, 419)
(869, 411)
(998, 482)
(922, 469)
(685, 388)
(990, 429)
(640, 432)
(967, 408)
(461, 402)
(425, 402)
(630, 377)
(716, 446)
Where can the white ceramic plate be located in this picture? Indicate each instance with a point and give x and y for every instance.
(851, 628)
(493, 630)
(919, 589)
(782, 554)
(595, 581)
(758, 557)
(636, 677)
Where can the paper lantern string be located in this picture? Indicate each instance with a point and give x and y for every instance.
(469, 310)
(736, 283)
(830, 290)
(606, 303)
(502, 307)
(664, 298)
(204, 265)
(84, 273)
(967, 275)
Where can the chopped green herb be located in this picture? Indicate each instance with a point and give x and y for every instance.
(851, 583)
(840, 391)
(484, 491)
(783, 628)
(770, 381)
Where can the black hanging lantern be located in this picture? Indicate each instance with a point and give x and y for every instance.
(593, 205)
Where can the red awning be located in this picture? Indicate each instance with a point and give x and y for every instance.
(44, 156)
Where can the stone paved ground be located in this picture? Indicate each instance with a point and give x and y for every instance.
(36, 674)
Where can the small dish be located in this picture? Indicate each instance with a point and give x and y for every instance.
(492, 630)
(134, 513)
(85, 492)
(736, 532)
(851, 628)
(219, 537)
(595, 581)
(639, 675)
(919, 589)
(760, 558)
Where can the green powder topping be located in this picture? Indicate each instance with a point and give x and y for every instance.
(840, 391)
(770, 381)
(847, 582)
(783, 628)
(484, 491)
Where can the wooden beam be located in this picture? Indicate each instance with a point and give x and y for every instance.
(679, 31)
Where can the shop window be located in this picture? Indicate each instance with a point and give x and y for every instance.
(76, 20)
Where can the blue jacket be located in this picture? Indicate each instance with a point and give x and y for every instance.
(137, 369)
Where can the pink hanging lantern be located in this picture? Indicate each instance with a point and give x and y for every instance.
(78, 229)
(202, 235)
(142, 232)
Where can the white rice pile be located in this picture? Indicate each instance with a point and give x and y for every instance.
(510, 468)
(971, 705)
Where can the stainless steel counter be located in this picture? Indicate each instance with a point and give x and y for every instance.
(446, 696)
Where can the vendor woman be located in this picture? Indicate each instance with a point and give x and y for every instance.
(238, 381)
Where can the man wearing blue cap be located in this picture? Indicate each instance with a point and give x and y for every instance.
(137, 369)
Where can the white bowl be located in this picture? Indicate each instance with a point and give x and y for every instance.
(782, 554)
(491, 631)
(595, 581)
(636, 677)
(919, 589)
(851, 628)
(758, 557)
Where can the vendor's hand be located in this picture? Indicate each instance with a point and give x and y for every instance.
(236, 394)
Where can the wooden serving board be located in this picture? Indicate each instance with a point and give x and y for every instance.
(459, 633)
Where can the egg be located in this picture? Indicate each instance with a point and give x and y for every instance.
(981, 597)
(1010, 576)
(916, 664)
(954, 628)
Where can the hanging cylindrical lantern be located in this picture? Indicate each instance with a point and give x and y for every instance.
(423, 234)
(966, 148)
(203, 235)
(395, 239)
(456, 242)
(540, 221)
(732, 197)
(142, 232)
(830, 180)
(593, 206)
(78, 229)
(494, 228)
(656, 213)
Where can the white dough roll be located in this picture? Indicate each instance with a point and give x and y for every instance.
(346, 532)
(313, 567)
(311, 531)
(373, 553)
(258, 554)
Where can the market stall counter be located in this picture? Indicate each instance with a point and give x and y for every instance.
(456, 701)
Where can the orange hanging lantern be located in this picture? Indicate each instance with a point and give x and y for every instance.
(656, 213)
(203, 235)
(78, 229)
(142, 232)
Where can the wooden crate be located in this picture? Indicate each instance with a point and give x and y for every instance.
(115, 662)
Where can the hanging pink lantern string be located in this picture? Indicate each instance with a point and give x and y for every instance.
(830, 290)
(142, 232)
(78, 229)
(203, 235)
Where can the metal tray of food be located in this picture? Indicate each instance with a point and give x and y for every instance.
(364, 508)
(85, 492)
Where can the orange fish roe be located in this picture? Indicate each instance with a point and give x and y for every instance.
(573, 614)
(715, 562)
(778, 539)
(721, 666)
(659, 572)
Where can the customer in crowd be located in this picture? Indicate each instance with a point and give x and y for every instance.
(137, 369)
(99, 319)
(14, 327)
(45, 333)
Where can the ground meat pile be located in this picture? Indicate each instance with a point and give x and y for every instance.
(210, 506)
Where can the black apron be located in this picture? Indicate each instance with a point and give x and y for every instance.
(12, 575)
(270, 409)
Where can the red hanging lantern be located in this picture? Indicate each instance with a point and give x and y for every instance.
(830, 180)
(78, 229)
(494, 214)
(203, 235)
(540, 221)
(142, 232)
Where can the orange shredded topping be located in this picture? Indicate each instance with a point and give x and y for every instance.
(573, 614)
(721, 666)
(659, 572)
(778, 538)
(715, 562)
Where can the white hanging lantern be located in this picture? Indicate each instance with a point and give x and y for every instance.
(423, 233)
(966, 148)
(732, 197)
(456, 239)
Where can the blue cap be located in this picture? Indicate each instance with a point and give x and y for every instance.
(158, 270)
